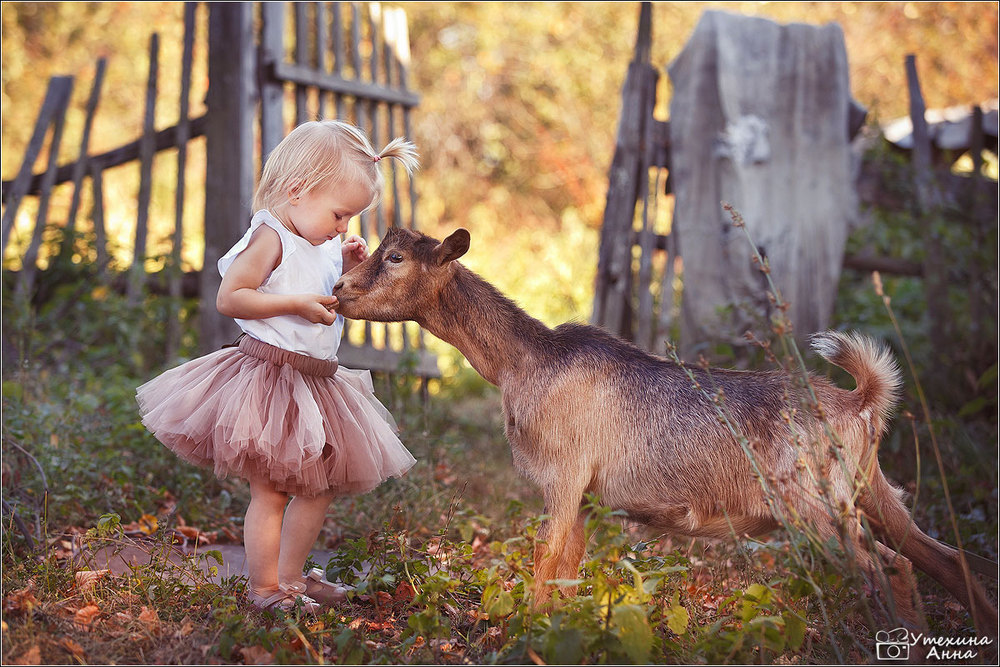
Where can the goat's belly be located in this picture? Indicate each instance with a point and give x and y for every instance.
(696, 505)
(685, 520)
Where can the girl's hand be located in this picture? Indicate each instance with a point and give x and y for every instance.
(317, 308)
(355, 251)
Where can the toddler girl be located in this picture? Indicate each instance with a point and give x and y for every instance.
(277, 410)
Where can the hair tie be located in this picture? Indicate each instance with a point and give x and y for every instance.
(376, 158)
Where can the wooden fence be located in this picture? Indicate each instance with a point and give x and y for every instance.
(349, 60)
(634, 292)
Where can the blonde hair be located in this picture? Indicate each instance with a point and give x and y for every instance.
(326, 152)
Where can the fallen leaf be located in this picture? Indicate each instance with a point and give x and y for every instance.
(383, 597)
(404, 592)
(74, 648)
(148, 524)
(189, 532)
(20, 601)
(83, 618)
(187, 627)
(257, 655)
(33, 656)
(150, 619)
(86, 579)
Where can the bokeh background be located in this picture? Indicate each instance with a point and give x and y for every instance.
(520, 104)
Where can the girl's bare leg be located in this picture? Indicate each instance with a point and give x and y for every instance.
(262, 535)
(303, 520)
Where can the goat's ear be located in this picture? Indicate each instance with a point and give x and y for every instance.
(452, 247)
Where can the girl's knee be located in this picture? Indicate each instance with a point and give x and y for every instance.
(262, 490)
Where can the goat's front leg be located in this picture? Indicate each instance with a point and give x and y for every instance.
(559, 547)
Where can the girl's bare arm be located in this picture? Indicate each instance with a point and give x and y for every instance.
(238, 296)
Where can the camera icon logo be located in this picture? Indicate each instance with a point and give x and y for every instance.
(892, 645)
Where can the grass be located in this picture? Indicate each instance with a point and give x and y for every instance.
(449, 546)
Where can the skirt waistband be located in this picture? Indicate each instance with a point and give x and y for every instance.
(302, 363)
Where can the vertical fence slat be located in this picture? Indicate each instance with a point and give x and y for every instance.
(928, 202)
(322, 49)
(301, 58)
(97, 215)
(147, 151)
(356, 58)
(175, 270)
(666, 291)
(338, 54)
(402, 59)
(29, 268)
(272, 93)
(80, 167)
(56, 96)
(230, 156)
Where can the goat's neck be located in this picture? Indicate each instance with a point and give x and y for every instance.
(495, 335)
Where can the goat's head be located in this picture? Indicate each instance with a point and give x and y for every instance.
(402, 278)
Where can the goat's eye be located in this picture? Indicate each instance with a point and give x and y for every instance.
(395, 257)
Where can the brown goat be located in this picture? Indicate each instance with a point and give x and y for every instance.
(586, 412)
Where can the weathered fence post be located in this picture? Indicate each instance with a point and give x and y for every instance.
(759, 118)
(175, 271)
(927, 205)
(230, 159)
(612, 301)
(147, 151)
(80, 167)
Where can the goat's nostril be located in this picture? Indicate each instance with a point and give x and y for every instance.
(340, 284)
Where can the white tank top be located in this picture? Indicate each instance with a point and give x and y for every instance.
(304, 268)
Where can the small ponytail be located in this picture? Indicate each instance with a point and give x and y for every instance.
(402, 150)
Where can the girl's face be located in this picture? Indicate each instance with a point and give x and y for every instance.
(323, 213)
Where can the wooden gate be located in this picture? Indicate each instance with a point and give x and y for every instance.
(271, 66)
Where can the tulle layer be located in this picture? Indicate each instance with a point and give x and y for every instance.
(245, 416)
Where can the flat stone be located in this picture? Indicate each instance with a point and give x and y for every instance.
(190, 564)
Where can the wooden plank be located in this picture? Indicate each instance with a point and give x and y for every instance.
(174, 270)
(164, 139)
(230, 164)
(322, 51)
(56, 96)
(97, 215)
(302, 60)
(614, 285)
(147, 149)
(928, 201)
(386, 360)
(26, 283)
(402, 59)
(80, 167)
(644, 328)
(272, 93)
(338, 55)
(337, 84)
(664, 317)
(612, 296)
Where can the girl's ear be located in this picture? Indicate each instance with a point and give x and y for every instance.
(294, 192)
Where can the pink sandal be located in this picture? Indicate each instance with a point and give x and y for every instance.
(322, 590)
(286, 598)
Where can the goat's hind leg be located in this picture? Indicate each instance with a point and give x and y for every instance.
(890, 572)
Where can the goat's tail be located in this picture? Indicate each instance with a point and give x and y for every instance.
(872, 366)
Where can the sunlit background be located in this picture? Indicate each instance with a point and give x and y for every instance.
(517, 121)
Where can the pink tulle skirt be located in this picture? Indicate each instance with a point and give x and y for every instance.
(257, 411)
